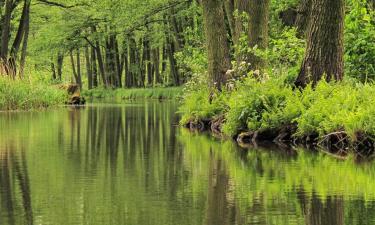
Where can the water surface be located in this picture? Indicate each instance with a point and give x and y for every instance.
(130, 164)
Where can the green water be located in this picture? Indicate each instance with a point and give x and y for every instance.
(130, 164)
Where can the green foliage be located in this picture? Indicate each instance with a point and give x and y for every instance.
(134, 93)
(256, 105)
(329, 107)
(197, 105)
(23, 95)
(359, 41)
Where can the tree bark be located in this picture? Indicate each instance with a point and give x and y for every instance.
(94, 68)
(5, 34)
(216, 42)
(241, 6)
(53, 70)
(303, 17)
(258, 30)
(79, 77)
(229, 10)
(324, 52)
(25, 42)
(60, 61)
(88, 68)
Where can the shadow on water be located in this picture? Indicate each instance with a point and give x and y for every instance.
(130, 164)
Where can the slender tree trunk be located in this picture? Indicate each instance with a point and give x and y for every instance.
(216, 41)
(73, 66)
(88, 68)
(229, 10)
(25, 42)
(79, 77)
(94, 68)
(60, 61)
(324, 52)
(101, 64)
(118, 63)
(156, 65)
(5, 28)
(53, 71)
(241, 6)
(258, 30)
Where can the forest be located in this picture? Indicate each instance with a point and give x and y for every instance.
(276, 70)
(187, 112)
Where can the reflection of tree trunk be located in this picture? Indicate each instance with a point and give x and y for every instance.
(6, 195)
(24, 182)
(318, 212)
(13, 169)
(217, 211)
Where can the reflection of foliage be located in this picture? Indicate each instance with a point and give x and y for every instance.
(279, 180)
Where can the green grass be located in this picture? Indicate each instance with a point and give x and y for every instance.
(135, 93)
(25, 95)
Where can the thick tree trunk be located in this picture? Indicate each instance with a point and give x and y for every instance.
(303, 17)
(217, 42)
(324, 52)
(258, 30)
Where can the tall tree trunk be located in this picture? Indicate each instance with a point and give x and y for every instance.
(94, 68)
(5, 28)
(303, 17)
(79, 77)
(25, 42)
(156, 65)
(19, 37)
(229, 10)
(60, 61)
(88, 68)
(324, 52)
(216, 41)
(258, 30)
(73, 66)
(241, 6)
(101, 64)
(118, 63)
(53, 70)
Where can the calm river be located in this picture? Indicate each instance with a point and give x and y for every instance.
(131, 164)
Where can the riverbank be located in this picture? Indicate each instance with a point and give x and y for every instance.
(336, 116)
(25, 95)
(134, 93)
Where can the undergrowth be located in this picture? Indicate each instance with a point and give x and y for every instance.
(329, 107)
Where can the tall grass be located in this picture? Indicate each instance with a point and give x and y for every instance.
(135, 93)
(25, 95)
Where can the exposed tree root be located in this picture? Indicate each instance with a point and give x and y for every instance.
(337, 144)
